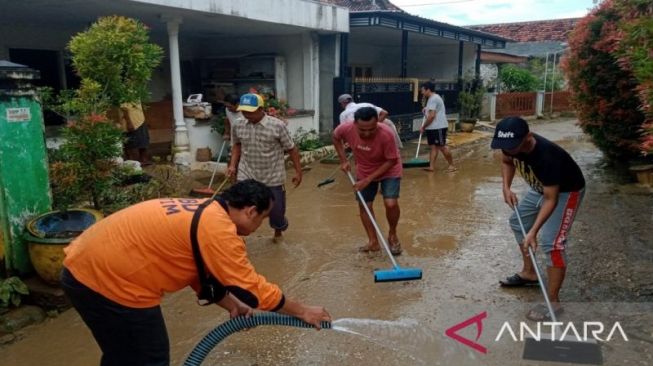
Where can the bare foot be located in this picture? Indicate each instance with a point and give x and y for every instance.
(428, 170)
(369, 248)
(451, 169)
(278, 237)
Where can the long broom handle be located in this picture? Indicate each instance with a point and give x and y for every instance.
(215, 169)
(335, 170)
(379, 233)
(419, 142)
(537, 269)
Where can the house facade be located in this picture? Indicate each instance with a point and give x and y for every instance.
(302, 51)
(389, 52)
(211, 47)
(542, 39)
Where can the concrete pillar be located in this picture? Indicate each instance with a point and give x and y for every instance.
(329, 68)
(539, 104)
(404, 54)
(343, 61)
(311, 53)
(461, 50)
(477, 64)
(280, 77)
(336, 58)
(181, 149)
(493, 106)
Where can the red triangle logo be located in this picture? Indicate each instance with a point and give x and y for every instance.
(478, 321)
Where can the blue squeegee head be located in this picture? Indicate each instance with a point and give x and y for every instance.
(397, 274)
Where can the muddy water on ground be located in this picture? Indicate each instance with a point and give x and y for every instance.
(453, 226)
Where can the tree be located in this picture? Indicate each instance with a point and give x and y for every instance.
(516, 79)
(604, 92)
(634, 50)
(538, 68)
(114, 59)
(116, 53)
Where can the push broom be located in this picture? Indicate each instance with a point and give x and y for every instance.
(546, 347)
(416, 162)
(330, 179)
(208, 191)
(396, 273)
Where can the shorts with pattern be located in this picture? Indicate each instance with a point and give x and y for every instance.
(437, 137)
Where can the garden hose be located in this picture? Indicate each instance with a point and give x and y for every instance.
(237, 324)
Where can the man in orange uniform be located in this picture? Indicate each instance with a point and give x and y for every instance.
(116, 272)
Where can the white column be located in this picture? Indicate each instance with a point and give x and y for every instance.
(316, 81)
(280, 78)
(181, 145)
(311, 56)
(493, 107)
(307, 62)
(539, 104)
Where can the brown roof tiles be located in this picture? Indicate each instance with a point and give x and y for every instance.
(537, 31)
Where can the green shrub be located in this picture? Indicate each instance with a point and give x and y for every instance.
(537, 67)
(634, 51)
(516, 79)
(604, 92)
(218, 123)
(470, 99)
(115, 52)
(115, 61)
(83, 168)
(11, 291)
(307, 140)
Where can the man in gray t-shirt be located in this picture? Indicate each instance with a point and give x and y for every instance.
(435, 127)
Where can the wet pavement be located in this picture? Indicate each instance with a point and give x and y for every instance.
(454, 227)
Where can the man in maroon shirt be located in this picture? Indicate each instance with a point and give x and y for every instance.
(377, 164)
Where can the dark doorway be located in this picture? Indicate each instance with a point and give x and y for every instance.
(47, 62)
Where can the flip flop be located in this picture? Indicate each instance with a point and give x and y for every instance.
(517, 281)
(395, 248)
(540, 313)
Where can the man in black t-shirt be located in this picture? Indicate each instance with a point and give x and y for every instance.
(549, 207)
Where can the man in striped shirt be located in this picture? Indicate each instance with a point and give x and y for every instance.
(259, 144)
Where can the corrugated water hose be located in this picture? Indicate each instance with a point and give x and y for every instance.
(237, 324)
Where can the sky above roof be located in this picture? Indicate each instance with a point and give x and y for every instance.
(472, 12)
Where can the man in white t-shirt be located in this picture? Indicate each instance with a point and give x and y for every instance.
(435, 127)
(349, 108)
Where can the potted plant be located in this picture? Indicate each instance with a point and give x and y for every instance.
(470, 103)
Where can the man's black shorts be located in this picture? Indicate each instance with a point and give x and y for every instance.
(437, 137)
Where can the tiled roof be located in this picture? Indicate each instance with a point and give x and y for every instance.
(364, 5)
(537, 31)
